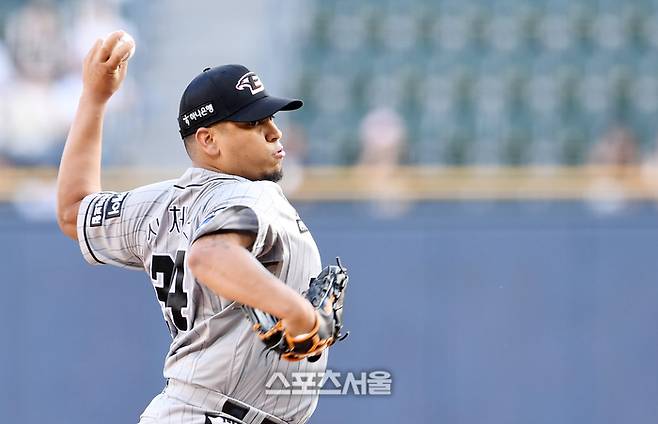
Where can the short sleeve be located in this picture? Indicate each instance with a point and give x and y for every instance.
(244, 212)
(242, 218)
(108, 229)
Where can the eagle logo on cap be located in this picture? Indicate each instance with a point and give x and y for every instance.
(251, 81)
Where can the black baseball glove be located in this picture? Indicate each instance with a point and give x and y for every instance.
(326, 294)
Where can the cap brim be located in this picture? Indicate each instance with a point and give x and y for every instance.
(264, 107)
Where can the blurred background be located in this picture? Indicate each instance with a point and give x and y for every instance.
(486, 169)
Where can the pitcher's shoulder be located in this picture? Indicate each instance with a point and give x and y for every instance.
(248, 190)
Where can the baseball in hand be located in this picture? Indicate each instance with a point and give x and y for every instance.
(127, 38)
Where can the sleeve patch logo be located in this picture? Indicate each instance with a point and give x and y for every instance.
(97, 211)
(302, 227)
(209, 218)
(114, 205)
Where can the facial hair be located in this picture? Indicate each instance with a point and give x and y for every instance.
(274, 176)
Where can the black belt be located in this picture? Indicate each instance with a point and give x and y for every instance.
(239, 411)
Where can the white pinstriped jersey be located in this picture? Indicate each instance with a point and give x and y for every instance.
(213, 346)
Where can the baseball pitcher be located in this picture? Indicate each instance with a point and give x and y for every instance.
(237, 273)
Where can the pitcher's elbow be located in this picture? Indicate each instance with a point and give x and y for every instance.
(67, 221)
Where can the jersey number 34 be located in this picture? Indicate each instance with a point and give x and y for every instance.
(173, 272)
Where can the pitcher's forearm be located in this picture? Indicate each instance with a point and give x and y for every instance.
(103, 71)
(231, 271)
(81, 161)
(80, 167)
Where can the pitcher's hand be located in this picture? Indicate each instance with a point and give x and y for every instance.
(105, 66)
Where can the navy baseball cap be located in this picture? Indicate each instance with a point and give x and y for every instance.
(227, 93)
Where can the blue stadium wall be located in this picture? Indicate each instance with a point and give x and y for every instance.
(484, 312)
